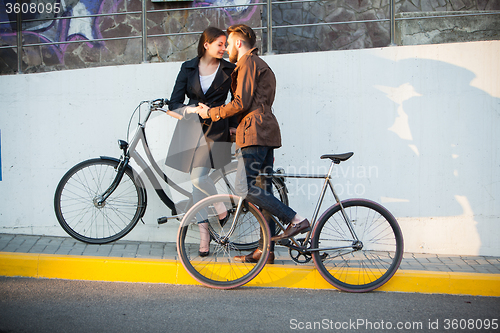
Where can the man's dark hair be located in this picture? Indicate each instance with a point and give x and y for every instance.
(244, 32)
(208, 36)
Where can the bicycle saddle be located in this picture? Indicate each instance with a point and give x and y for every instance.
(337, 158)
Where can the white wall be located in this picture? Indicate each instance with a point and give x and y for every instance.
(422, 121)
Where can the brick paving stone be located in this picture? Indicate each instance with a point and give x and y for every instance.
(64, 250)
(457, 260)
(492, 270)
(420, 262)
(37, 248)
(454, 268)
(77, 251)
(17, 241)
(45, 240)
(4, 241)
(407, 255)
(445, 260)
(435, 260)
(156, 254)
(118, 246)
(482, 261)
(492, 261)
(422, 255)
(25, 241)
(51, 249)
(9, 248)
(468, 269)
(90, 249)
(7, 237)
(470, 261)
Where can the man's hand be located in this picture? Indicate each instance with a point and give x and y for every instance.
(203, 111)
(192, 109)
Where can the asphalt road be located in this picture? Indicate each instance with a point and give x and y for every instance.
(41, 305)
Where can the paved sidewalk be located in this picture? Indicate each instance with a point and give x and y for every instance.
(155, 250)
(48, 256)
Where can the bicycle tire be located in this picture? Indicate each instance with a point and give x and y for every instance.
(76, 208)
(358, 267)
(219, 269)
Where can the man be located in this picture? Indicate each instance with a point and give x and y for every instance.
(258, 134)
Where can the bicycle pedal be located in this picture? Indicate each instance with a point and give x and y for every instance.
(162, 220)
(283, 242)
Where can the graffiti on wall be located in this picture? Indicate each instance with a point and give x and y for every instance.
(47, 30)
(242, 9)
(69, 25)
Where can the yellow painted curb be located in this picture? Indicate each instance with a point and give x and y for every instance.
(280, 276)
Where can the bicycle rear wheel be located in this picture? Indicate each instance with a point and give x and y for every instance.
(365, 264)
(219, 269)
(77, 196)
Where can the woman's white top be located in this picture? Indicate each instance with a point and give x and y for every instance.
(206, 81)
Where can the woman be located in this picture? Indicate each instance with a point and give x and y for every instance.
(199, 145)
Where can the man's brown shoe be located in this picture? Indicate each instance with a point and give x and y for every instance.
(254, 257)
(293, 229)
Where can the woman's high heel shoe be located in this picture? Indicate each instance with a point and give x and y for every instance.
(204, 238)
(224, 220)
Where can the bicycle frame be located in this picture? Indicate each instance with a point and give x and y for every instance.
(327, 184)
(129, 151)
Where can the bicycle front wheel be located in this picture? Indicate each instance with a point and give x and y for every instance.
(362, 264)
(225, 180)
(79, 211)
(220, 269)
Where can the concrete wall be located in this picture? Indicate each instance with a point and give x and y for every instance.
(422, 121)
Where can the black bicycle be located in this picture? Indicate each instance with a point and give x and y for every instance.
(100, 200)
(356, 244)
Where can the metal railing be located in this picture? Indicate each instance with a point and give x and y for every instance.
(268, 28)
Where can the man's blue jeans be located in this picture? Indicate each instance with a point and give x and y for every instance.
(252, 161)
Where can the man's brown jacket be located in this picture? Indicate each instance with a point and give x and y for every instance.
(254, 86)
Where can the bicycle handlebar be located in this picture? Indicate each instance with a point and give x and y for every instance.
(159, 102)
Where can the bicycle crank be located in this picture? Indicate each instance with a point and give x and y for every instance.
(300, 258)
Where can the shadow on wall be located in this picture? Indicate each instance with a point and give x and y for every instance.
(452, 143)
(429, 138)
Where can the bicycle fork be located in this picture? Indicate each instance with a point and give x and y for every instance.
(120, 171)
(239, 208)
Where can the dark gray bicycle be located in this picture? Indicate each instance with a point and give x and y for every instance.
(100, 200)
